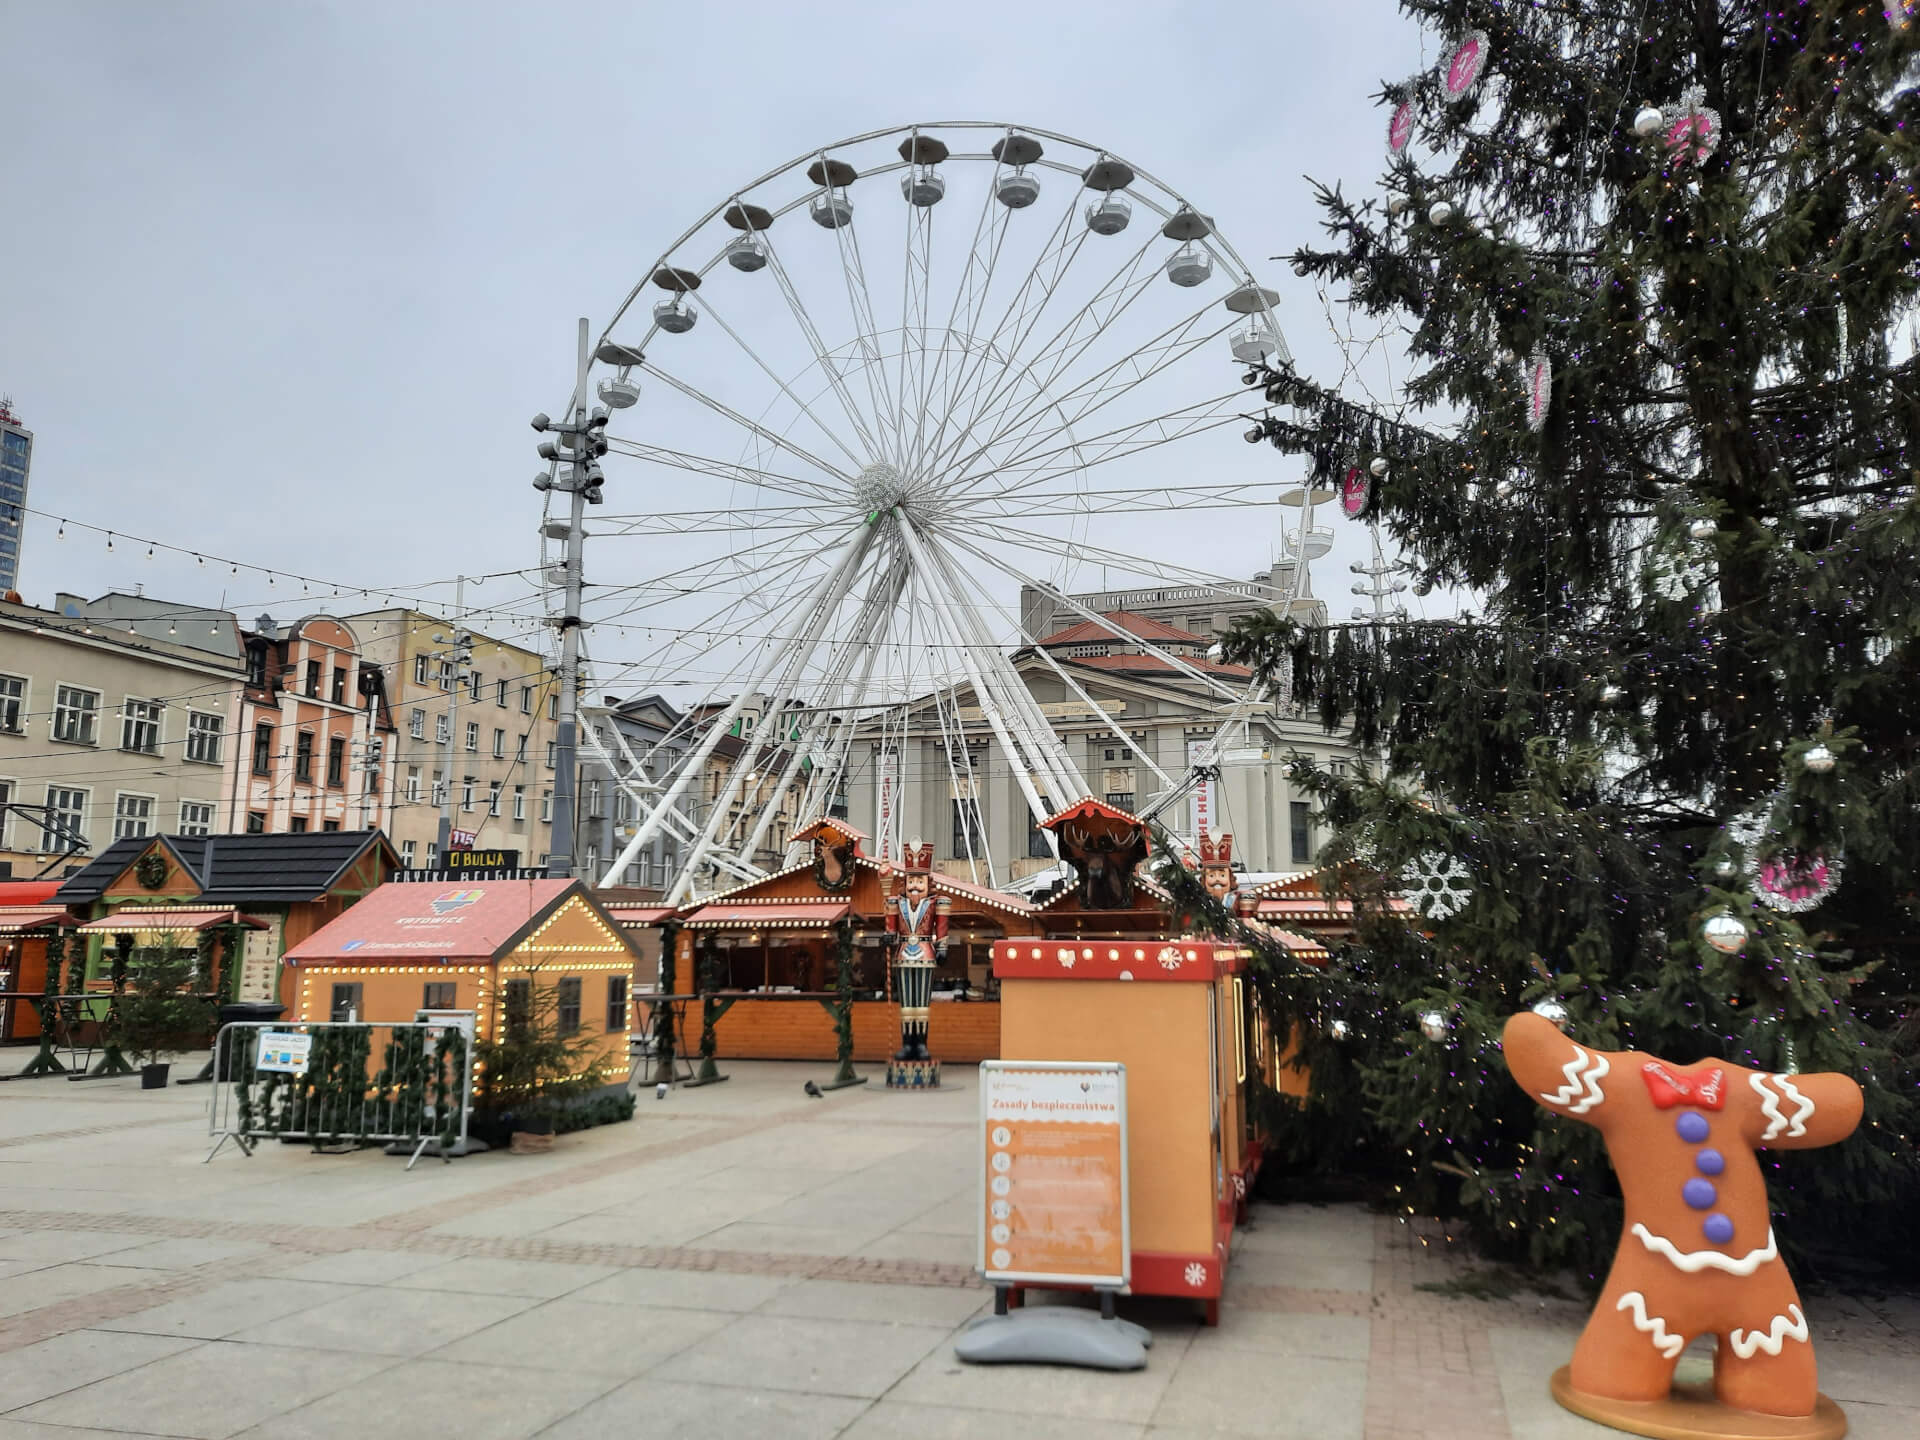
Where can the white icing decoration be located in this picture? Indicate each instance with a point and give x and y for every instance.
(1694, 1261)
(1793, 1323)
(1770, 1106)
(1664, 1340)
(1583, 1072)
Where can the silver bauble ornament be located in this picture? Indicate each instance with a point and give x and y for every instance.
(1552, 1010)
(1724, 932)
(1703, 529)
(1725, 869)
(1433, 1025)
(1378, 467)
(1397, 205)
(1503, 490)
(1647, 121)
(1818, 759)
(1339, 1029)
(1611, 694)
(1440, 212)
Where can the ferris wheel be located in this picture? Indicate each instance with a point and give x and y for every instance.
(857, 410)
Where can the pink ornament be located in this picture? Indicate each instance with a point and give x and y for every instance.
(1796, 882)
(1469, 59)
(1400, 127)
(1539, 377)
(1690, 130)
(1356, 489)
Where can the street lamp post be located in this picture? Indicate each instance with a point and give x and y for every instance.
(577, 474)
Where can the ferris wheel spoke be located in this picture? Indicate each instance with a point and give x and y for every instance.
(853, 456)
(866, 336)
(779, 442)
(915, 279)
(648, 589)
(792, 486)
(1073, 457)
(822, 357)
(1154, 571)
(694, 522)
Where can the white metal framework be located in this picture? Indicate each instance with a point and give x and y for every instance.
(855, 407)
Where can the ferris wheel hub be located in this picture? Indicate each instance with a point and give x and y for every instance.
(879, 487)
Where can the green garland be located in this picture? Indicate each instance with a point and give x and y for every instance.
(663, 1013)
(843, 999)
(709, 966)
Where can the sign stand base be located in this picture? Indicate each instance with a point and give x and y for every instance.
(1055, 1335)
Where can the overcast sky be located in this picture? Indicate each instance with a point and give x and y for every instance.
(286, 281)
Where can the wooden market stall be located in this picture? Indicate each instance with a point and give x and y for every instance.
(30, 922)
(440, 945)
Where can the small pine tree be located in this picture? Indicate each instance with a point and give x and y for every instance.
(1663, 427)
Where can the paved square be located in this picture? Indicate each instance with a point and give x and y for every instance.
(740, 1261)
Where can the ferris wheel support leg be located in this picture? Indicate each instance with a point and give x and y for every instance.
(696, 761)
(988, 706)
(831, 593)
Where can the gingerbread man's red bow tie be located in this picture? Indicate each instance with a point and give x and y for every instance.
(1705, 1087)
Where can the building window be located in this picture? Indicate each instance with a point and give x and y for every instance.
(446, 675)
(466, 793)
(442, 731)
(132, 816)
(553, 707)
(346, 1006)
(196, 817)
(526, 699)
(553, 753)
(473, 736)
(75, 712)
(500, 693)
(520, 751)
(1299, 816)
(140, 726)
(568, 1015)
(263, 748)
(433, 854)
(257, 666)
(13, 704)
(203, 738)
(407, 851)
(518, 1008)
(298, 825)
(1121, 800)
(413, 784)
(303, 757)
(546, 810)
(339, 691)
(256, 823)
(420, 663)
(313, 679)
(437, 995)
(1337, 768)
(336, 761)
(493, 797)
(439, 788)
(616, 1002)
(593, 860)
(593, 800)
(475, 686)
(67, 819)
(499, 744)
(519, 802)
(969, 838)
(329, 824)
(1037, 847)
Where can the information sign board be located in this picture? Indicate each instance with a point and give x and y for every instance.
(1053, 1170)
(284, 1050)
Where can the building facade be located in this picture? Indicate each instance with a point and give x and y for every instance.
(110, 732)
(16, 459)
(476, 725)
(655, 739)
(314, 730)
(1207, 610)
(971, 807)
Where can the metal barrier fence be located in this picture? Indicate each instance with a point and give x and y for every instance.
(334, 1083)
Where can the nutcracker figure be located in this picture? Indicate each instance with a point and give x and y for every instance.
(917, 932)
(1216, 870)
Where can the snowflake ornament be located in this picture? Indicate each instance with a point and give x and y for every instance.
(1196, 1274)
(1439, 885)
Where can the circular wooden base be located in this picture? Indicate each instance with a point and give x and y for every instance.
(1691, 1413)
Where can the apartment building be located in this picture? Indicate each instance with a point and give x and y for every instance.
(112, 727)
(476, 724)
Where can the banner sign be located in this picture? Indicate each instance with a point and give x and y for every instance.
(1053, 1150)
(444, 873)
(1205, 804)
(886, 804)
(483, 859)
(283, 1050)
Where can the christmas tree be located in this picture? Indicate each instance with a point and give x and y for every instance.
(1656, 271)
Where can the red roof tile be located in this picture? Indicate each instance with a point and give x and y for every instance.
(1089, 632)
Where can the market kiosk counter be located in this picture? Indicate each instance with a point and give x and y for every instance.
(1171, 1011)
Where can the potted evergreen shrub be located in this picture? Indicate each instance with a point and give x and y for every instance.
(158, 1016)
(531, 1070)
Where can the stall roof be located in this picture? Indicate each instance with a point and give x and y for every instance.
(641, 916)
(440, 920)
(768, 914)
(19, 919)
(179, 918)
(238, 869)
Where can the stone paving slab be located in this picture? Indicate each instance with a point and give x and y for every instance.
(737, 1262)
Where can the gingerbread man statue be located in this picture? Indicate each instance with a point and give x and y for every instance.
(1698, 1254)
